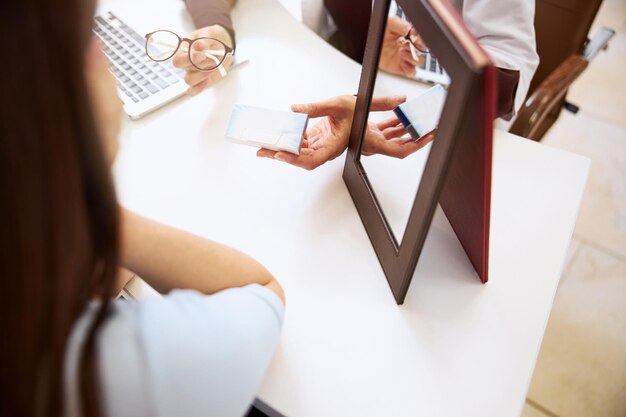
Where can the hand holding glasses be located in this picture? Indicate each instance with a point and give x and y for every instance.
(205, 54)
(416, 45)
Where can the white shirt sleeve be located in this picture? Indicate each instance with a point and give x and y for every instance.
(206, 355)
(505, 28)
(185, 354)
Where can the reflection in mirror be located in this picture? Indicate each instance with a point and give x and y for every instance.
(398, 140)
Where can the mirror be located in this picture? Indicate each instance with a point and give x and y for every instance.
(396, 197)
(398, 140)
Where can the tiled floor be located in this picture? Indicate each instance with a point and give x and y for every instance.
(581, 369)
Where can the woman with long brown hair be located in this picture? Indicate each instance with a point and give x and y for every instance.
(67, 347)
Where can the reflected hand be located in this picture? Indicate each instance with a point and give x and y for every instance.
(396, 56)
(388, 138)
(200, 80)
(328, 138)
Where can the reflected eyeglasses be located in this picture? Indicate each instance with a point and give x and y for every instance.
(205, 54)
(415, 44)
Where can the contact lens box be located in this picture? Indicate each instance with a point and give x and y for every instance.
(420, 115)
(271, 129)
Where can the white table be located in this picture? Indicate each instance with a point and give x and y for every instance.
(456, 347)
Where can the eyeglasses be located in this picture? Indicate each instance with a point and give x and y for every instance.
(205, 54)
(415, 44)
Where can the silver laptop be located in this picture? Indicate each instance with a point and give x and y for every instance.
(430, 72)
(144, 85)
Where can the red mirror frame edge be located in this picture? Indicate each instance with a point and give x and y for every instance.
(472, 78)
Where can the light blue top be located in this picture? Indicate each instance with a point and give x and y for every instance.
(184, 354)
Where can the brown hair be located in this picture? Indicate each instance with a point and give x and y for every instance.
(59, 243)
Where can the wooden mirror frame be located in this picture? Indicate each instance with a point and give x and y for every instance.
(471, 71)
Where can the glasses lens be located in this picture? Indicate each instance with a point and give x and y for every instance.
(207, 54)
(161, 45)
(419, 45)
(416, 41)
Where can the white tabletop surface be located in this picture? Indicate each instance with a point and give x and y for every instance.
(456, 347)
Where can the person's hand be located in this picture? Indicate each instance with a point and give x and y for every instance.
(396, 56)
(200, 80)
(328, 138)
(389, 138)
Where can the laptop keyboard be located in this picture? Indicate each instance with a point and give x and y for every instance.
(138, 77)
(431, 64)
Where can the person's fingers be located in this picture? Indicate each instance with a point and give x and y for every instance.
(314, 110)
(386, 103)
(335, 106)
(426, 139)
(265, 153)
(205, 60)
(198, 88)
(289, 157)
(312, 158)
(423, 141)
(268, 153)
(312, 139)
(412, 146)
(397, 25)
(408, 69)
(394, 132)
(404, 48)
(181, 60)
(399, 149)
(199, 80)
(409, 60)
(311, 134)
(308, 158)
(407, 56)
(228, 61)
(193, 77)
(391, 122)
(306, 151)
(199, 58)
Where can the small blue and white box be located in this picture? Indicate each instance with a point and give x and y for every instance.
(271, 129)
(420, 115)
